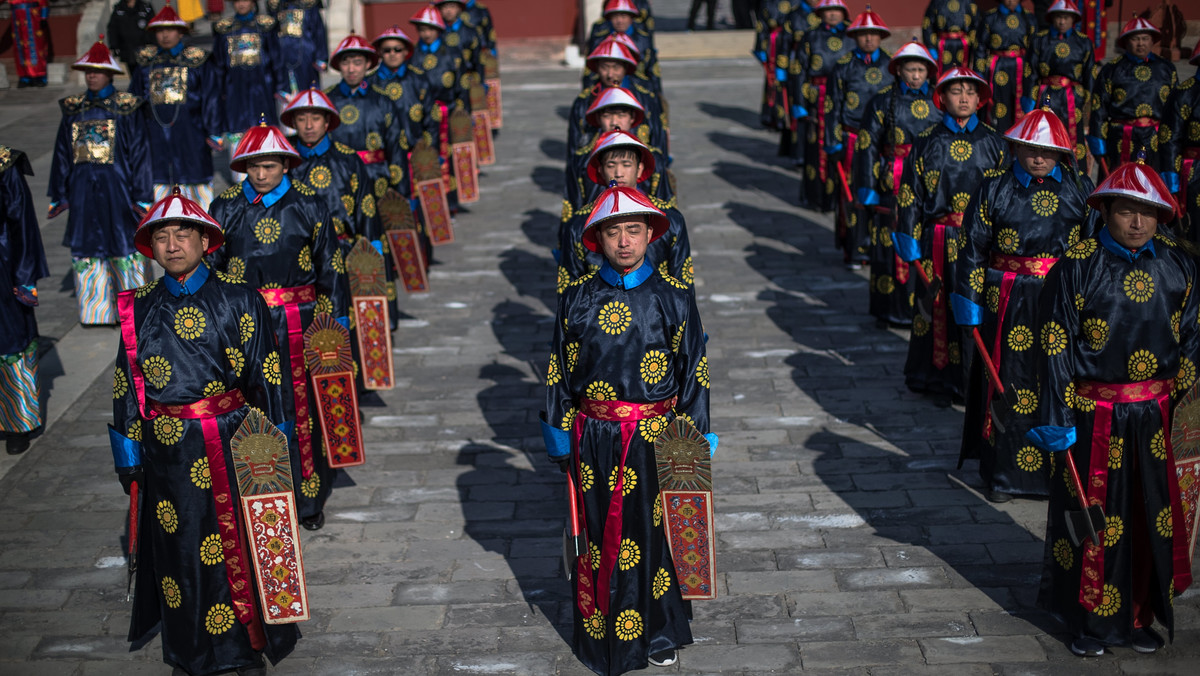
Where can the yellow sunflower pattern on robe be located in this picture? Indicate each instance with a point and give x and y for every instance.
(1114, 528)
(587, 477)
(1064, 554)
(629, 625)
(200, 473)
(652, 428)
(171, 594)
(168, 518)
(212, 551)
(168, 430)
(271, 368)
(237, 360)
(311, 486)
(630, 554)
(1029, 459)
(219, 619)
(1110, 601)
(1162, 523)
(654, 366)
(628, 485)
(246, 327)
(594, 625)
(157, 371)
(120, 383)
(1142, 365)
(661, 583)
(600, 391)
(1138, 285)
(615, 317)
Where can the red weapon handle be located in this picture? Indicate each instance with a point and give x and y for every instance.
(987, 360)
(845, 183)
(572, 505)
(133, 518)
(922, 274)
(1075, 480)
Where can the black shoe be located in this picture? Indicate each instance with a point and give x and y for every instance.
(998, 497)
(370, 399)
(40, 82)
(313, 522)
(256, 669)
(17, 443)
(664, 658)
(1085, 646)
(1146, 640)
(23, 83)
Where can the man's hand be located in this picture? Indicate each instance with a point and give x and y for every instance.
(57, 208)
(129, 478)
(564, 463)
(215, 142)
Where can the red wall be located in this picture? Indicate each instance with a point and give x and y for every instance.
(62, 38)
(513, 18)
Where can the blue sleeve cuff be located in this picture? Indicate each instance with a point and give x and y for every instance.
(557, 255)
(1027, 104)
(414, 203)
(966, 312)
(799, 112)
(126, 452)
(712, 443)
(288, 427)
(761, 56)
(868, 197)
(934, 52)
(1051, 438)
(558, 442)
(1172, 180)
(344, 321)
(833, 150)
(907, 248)
(1096, 145)
(378, 246)
(781, 75)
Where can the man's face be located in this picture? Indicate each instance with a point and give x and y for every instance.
(617, 117)
(265, 173)
(1131, 223)
(621, 21)
(393, 53)
(1011, 4)
(867, 41)
(353, 68)
(611, 72)
(961, 99)
(243, 7)
(450, 11)
(167, 38)
(914, 73)
(624, 170)
(311, 126)
(1039, 162)
(1062, 21)
(1139, 44)
(428, 34)
(624, 240)
(178, 250)
(96, 80)
(833, 16)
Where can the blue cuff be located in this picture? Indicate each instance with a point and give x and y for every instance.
(799, 112)
(781, 75)
(126, 452)
(378, 246)
(1027, 104)
(558, 442)
(868, 197)
(493, 50)
(907, 248)
(344, 321)
(1172, 180)
(216, 138)
(1096, 145)
(288, 427)
(966, 312)
(145, 206)
(761, 56)
(833, 150)
(557, 255)
(1051, 438)
(414, 203)
(712, 443)
(934, 52)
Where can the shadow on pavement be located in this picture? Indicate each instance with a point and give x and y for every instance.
(757, 178)
(554, 149)
(753, 148)
(549, 179)
(743, 116)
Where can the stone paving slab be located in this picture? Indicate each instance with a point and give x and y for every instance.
(848, 542)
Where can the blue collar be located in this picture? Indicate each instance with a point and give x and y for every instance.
(863, 55)
(629, 281)
(270, 198)
(385, 73)
(1107, 241)
(429, 48)
(1058, 36)
(360, 90)
(951, 123)
(1006, 11)
(174, 51)
(191, 285)
(470, 4)
(316, 151)
(838, 28)
(244, 17)
(1131, 57)
(924, 88)
(102, 94)
(1026, 178)
(629, 31)
(456, 25)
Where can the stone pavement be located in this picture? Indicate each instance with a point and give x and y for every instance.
(848, 543)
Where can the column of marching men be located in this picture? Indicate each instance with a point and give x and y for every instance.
(241, 371)
(1062, 313)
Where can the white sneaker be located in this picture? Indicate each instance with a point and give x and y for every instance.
(665, 658)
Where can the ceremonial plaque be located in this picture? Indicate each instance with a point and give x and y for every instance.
(368, 292)
(400, 228)
(463, 156)
(1185, 443)
(427, 185)
(484, 150)
(264, 476)
(327, 353)
(685, 483)
(491, 78)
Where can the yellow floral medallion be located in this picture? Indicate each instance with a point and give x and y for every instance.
(553, 374)
(587, 477)
(267, 230)
(1026, 403)
(1095, 332)
(311, 487)
(237, 360)
(271, 369)
(654, 366)
(157, 371)
(628, 482)
(600, 391)
(1007, 240)
(1139, 286)
(168, 430)
(320, 177)
(171, 594)
(167, 517)
(630, 554)
(1162, 523)
(211, 551)
(628, 625)
(702, 372)
(189, 323)
(594, 625)
(1116, 452)
(120, 383)
(661, 583)
(1142, 365)
(219, 619)
(652, 428)
(1044, 203)
(1020, 338)
(246, 327)
(1110, 601)
(1064, 555)
(1054, 338)
(200, 474)
(615, 317)
(1029, 458)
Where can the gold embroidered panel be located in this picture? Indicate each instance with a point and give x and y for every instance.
(92, 141)
(291, 23)
(168, 85)
(245, 50)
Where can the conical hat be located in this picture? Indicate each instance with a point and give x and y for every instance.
(428, 16)
(1138, 25)
(354, 44)
(628, 43)
(868, 21)
(394, 33)
(611, 97)
(98, 58)
(962, 73)
(618, 201)
(913, 50)
(831, 4)
(310, 99)
(610, 50)
(1195, 60)
(1041, 129)
(1064, 7)
(1136, 181)
(176, 207)
(261, 141)
(620, 139)
(615, 6)
(167, 18)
